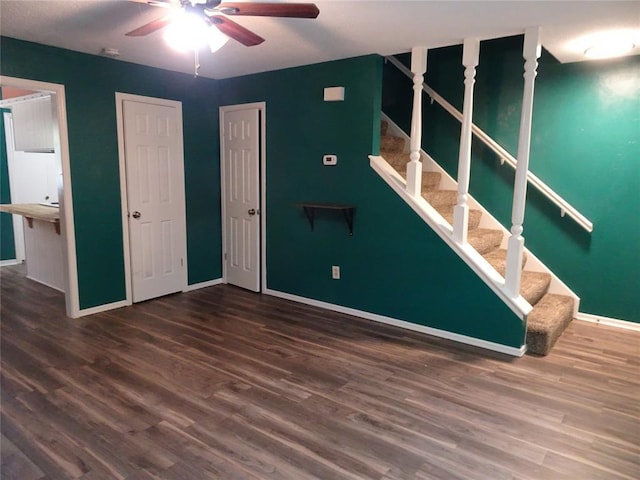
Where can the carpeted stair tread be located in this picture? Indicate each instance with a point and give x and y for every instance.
(484, 239)
(546, 322)
(441, 198)
(384, 127)
(389, 143)
(474, 216)
(397, 160)
(498, 260)
(533, 285)
(430, 180)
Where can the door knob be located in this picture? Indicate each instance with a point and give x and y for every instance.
(252, 211)
(135, 214)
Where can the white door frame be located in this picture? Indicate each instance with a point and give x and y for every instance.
(61, 148)
(120, 98)
(262, 165)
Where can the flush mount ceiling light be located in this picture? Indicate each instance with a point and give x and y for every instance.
(609, 48)
(608, 44)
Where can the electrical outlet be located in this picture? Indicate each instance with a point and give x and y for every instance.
(335, 272)
(330, 160)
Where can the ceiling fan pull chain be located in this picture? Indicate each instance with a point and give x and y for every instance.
(196, 63)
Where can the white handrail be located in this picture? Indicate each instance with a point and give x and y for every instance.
(565, 207)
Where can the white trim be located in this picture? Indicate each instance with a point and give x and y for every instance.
(456, 337)
(120, 98)
(10, 102)
(197, 286)
(103, 308)
(61, 148)
(6, 263)
(611, 322)
(262, 109)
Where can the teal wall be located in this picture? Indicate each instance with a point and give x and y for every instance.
(90, 85)
(393, 265)
(7, 245)
(585, 145)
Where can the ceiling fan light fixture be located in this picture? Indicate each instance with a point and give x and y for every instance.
(216, 39)
(187, 32)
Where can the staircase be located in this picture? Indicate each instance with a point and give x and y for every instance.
(551, 312)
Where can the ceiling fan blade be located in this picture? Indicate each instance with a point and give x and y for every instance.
(237, 32)
(159, 3)
(150, 27)
(296, 10)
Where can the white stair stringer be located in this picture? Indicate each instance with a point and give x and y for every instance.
(479, 265)
(492, 278)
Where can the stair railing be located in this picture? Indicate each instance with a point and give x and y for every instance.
(470, 57)
(505, 157)
(515, 248)
(414, 167)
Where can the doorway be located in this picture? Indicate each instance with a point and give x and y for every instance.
(150, 142)
(61, 158)
(33, 178)
(242, 160)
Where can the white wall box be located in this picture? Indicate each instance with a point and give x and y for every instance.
(334, 94)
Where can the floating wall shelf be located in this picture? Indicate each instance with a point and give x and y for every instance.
(347, 210)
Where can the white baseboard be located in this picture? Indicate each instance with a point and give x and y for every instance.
(612, 322)
(125, 303)
(196, 286)
(6, 263)
(102, 308)
(45, 284)
(496, 347)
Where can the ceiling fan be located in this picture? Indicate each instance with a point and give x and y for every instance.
(215, 13)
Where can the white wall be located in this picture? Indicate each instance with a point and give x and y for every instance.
(33, 178)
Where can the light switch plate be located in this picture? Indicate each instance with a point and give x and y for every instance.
(329, 159)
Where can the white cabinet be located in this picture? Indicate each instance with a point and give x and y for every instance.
(33, 125)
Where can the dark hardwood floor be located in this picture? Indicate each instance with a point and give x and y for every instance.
(223, 383)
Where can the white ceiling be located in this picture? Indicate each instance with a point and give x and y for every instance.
(343, 29)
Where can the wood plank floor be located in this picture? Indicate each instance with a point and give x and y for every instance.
(226, 384)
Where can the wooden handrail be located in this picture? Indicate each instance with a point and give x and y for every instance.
(505, 157)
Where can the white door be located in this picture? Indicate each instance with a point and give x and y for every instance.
(240, 147)
(155, 198)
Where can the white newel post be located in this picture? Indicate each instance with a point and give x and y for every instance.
(470, 55)
(414, 167)
(531, 53)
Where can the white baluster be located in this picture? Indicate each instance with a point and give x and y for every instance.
(470, 55)
(414, 167)
(531, 53)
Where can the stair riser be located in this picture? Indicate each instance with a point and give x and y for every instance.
(547, 322)
(474, 217)
(533, 290)
(442, 198)
(485, 242)
(498, 260)
(391, 144)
